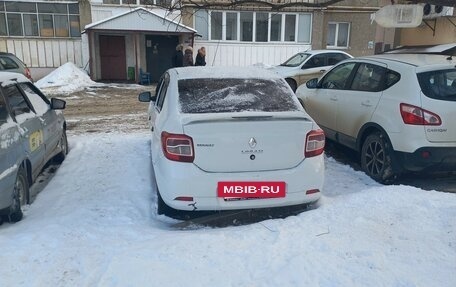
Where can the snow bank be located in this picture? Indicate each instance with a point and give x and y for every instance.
(95, 225)
(66, 79)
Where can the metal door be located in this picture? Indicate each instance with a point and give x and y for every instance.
(113, 58)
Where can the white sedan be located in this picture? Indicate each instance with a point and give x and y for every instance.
(225, 138)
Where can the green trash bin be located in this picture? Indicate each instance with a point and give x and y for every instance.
(131, 73)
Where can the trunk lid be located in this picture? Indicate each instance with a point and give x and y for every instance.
(243, 143)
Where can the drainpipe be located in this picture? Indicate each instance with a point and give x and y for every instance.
(89, 37)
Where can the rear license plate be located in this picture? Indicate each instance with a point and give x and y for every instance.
(239, 190)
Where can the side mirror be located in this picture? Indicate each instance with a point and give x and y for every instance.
(57, 104)
(312, 83)
(146, 97)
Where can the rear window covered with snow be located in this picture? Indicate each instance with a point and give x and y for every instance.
(439, 85)
(198, 96)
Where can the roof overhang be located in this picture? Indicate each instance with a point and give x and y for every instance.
(139, 20)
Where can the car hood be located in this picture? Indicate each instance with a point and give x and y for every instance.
(284, 71)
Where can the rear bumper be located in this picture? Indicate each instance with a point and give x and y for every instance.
(186, 180)
(429, 158)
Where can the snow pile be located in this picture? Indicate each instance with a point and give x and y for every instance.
(95, 225)
(66, 79)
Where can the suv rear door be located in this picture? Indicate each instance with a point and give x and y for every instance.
(438, 95)
(357, 104)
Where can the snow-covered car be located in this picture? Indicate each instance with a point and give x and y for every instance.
(31, 133)
(307, 65)
(225, 138)
(398, 111)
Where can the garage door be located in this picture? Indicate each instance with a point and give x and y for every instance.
(113, 59)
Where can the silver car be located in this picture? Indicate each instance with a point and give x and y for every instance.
(31, 133)
(307, 65)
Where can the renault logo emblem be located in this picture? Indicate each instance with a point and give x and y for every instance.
(252, 142)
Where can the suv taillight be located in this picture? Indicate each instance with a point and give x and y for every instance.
(315, 143)
(177, 147)
(412, 115)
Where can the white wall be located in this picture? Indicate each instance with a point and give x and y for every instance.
(246, 54)
(44, 55)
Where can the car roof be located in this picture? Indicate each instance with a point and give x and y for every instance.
(224, 72)
(417, 60)
(7, 77)
(314, 52)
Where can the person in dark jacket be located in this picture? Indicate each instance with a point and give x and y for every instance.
(201, 57)
(188, 56)
(178, 57)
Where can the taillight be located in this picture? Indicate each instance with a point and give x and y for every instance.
(315, 143)
(177, 147)
(28, 74)
(412, 115)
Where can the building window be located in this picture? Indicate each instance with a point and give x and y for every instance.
(30, 25)
(253, 26)
(338, 35)
(216, 25)
(290, 28)
(112, 1)
(202, 24)
(261, 26)
(39, 19)
(246, 26)
(231, 26)
(14, 24)
(305, 28)
(3, 31)
(276, 27)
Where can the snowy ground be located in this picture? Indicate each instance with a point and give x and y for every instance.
(95, 225)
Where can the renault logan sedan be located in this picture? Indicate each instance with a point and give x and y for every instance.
(398, 111)
(31, 133)
(225, 139)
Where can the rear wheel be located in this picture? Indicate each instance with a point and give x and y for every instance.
(376, 158)
(292, 84)
(20, 195)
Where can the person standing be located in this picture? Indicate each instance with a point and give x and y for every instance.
(178, 57)
(188, 57)
(201, 57)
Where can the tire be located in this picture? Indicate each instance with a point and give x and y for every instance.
(292, 84)
(63, 145)
(376, 160)
(20, 196)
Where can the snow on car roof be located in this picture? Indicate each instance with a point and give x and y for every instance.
(418, 60)
(7, 77)
(224, 72)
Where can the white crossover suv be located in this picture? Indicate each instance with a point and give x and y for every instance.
(398, 111)
(232, 138)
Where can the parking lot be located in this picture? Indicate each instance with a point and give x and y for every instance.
(115, 108)
(94, 221)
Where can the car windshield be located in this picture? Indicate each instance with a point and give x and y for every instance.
(440, 85)
(296, 60)
(197, 96)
